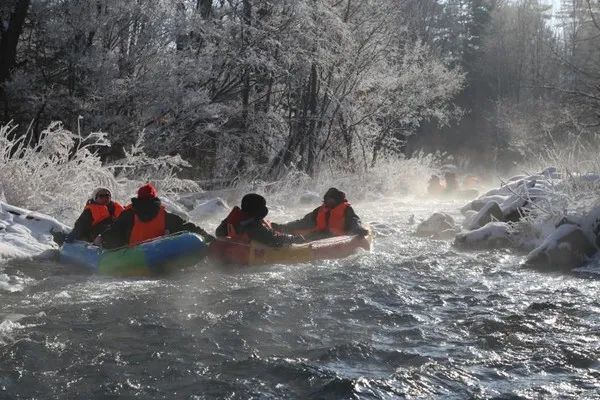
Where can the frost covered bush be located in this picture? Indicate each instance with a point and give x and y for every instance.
(57, 175)
(570, 189)
(137, 168)
(391, 176)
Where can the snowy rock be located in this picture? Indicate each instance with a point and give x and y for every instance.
(566, 248)
(492, 235)
(513, 187)
(438, 226)
(469, 218)
(551, 172)
(490, 212)
(478, 204)
(513, 208)
(175, 208)
(209, 208)
(517, 178)
(189, 200)
(310, 198)
(24, 233)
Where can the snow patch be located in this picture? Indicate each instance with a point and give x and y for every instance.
(24, 233)
(493, 234)
(210, 208)
(438, 226)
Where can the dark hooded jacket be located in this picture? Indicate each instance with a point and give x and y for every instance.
(253, 227)
(83, 229)
(146, 209)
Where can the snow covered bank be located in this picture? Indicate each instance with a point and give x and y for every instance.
(491, 235)
(24, 233)
(553, 216)
(58, 174)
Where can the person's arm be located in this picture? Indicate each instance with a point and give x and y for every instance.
(117, 234)
(222, 230)
(309, 221)
(353, 223)
(81, 228)
(176, 224)
(256, 231)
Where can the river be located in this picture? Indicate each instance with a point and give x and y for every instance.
(415, 318)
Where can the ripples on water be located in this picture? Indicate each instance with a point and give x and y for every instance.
(413, 319)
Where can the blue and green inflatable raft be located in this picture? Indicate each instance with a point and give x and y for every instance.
(154, 257)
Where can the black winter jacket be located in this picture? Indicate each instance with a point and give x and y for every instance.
(258, 232)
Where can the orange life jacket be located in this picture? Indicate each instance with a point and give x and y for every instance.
(234, 218)
(146, 230)
(102, 212)
(332, 220)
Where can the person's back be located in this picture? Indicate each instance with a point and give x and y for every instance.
(145, 219)
(434, 187)
(451, 183)
(248, 223)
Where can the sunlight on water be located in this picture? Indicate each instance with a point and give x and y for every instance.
(414, 318)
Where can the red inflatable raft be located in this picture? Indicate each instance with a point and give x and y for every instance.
(230, 251)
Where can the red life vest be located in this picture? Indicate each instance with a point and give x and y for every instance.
(235, 217)
(102, 212)
(146, 230)
(332, 220)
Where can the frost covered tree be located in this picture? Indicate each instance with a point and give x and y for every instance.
(233, 86)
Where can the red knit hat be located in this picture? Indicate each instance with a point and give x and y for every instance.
(147, 192)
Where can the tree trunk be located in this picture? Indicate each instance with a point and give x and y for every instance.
(204, 7)
(311, 133)
(377, 147)
(9, 40)
(348, 138)
(246, 22)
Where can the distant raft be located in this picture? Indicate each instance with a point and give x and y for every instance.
(230, 251)
(154, 257)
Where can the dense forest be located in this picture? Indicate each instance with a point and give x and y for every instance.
(270, 86)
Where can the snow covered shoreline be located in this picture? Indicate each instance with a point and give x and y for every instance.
(25, 233)
(552, 217)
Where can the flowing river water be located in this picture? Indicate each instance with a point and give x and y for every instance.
(415, 318)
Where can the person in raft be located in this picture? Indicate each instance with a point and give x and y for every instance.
(335, 217)
(451, 183)
(98, 214)
(434, 186)
(248, 223)
(146, 218)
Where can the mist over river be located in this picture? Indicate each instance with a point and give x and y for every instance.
(415, 318)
